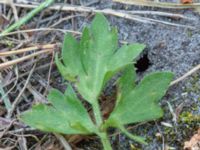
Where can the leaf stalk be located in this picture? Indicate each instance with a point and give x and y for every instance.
(99, 121)
(97, 113)
(105, 141)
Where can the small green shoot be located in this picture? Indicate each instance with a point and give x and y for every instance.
(89, 65)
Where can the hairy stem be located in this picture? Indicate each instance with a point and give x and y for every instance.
(105, 141)
(98, 118)
(97, 113)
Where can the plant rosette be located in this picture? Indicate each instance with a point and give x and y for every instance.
(89, 64)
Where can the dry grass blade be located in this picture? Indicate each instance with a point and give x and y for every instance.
(18, 60)
(63, 142)
(19, 51)
(43, 29)
(190, 72)
(159, 13)
(158, 4)
(17, 100)
(6, 129)
(117, 13)
(83, 9)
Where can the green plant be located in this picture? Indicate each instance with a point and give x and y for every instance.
(89, 64)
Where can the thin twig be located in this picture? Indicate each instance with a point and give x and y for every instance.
(26, 73)
(185, 75)
(49, 74)
(17, 100)
(14, 10)
(43, 29)
(117, 13)
(24, 129)
(6, 122)
(6, 129)
(19, 51)
(159, 13)
(18, 60)
(63, 142)
(64, 19)
(168, 23)
(81, 9)
(158, 4)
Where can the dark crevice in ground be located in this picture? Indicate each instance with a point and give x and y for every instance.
(142, 64)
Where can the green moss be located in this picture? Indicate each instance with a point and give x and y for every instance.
(170, 132)
(189, 120)
(188, 117)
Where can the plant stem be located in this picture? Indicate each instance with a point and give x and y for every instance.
(102, 134)
(97, 113)
(133, 137)
(105, 141)
(27, 17)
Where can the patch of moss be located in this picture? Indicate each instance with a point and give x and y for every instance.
(188, 117)
(187, 124)
(195, 87)
(170, 132)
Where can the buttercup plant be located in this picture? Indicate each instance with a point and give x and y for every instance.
(89, 65)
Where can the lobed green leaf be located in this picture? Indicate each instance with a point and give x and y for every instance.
(66, 115)
(141, 104)
(126, 82)
(96, 58)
